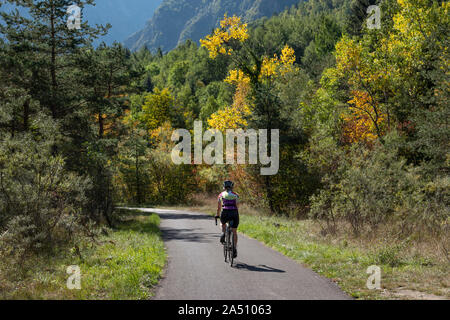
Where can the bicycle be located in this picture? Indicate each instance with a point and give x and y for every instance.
(229, 245)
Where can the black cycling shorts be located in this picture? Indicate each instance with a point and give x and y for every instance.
(230, 215)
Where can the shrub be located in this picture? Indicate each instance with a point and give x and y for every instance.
(41, 203)
(426, 209)
(376, 186)
(389, 255)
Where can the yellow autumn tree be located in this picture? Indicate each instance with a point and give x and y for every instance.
(231, 28)
(232, 34)
(234, 116)
(221, 42)
(361, 71)
(381, 71)
(417, 39)
(237, 76)
(278, 65)
(415, 26)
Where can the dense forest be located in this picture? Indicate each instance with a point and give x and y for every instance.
(362, 113)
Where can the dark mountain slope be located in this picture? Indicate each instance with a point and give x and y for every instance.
(178, 20)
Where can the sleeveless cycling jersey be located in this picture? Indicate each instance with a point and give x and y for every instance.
(229, 200)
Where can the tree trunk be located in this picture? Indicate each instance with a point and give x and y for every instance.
(53, 62)
(138, 182)
(26, 115)
(269, 193)
(100, 125)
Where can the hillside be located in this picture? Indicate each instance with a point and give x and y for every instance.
(178, 20)
(125, 17)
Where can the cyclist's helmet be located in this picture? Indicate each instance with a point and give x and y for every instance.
(228, 184)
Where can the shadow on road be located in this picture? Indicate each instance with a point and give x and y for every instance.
(170, 215)
(188, 235)
(260, 268)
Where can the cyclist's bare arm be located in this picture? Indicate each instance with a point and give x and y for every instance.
(219, 207)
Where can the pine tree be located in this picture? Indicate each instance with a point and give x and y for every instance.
(47, 47)
(41, 56)
(107, 81)
(357, 15)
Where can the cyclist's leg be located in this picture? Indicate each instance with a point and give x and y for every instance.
(234, 231)
(235, 236)
(223, 220)
(235, 224)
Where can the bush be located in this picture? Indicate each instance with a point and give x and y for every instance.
(427, 209)
(388, 256)
(376, 187)
(40, 202)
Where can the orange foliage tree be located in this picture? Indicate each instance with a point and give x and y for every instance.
(367, 116)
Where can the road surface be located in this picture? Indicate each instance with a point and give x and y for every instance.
(196, 269)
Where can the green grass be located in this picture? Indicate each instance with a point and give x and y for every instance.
(125, 264)
(346, 262)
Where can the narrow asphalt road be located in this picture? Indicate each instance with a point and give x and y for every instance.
(196, 269)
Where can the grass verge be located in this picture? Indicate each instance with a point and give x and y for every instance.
(124, 264)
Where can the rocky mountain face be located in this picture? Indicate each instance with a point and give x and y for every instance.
(178, 20)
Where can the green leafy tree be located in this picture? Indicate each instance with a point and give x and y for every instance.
(157, 108)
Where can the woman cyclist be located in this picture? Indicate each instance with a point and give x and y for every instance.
(227, 209)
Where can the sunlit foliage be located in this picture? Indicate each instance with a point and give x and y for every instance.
(231, 28)
(157, 107)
